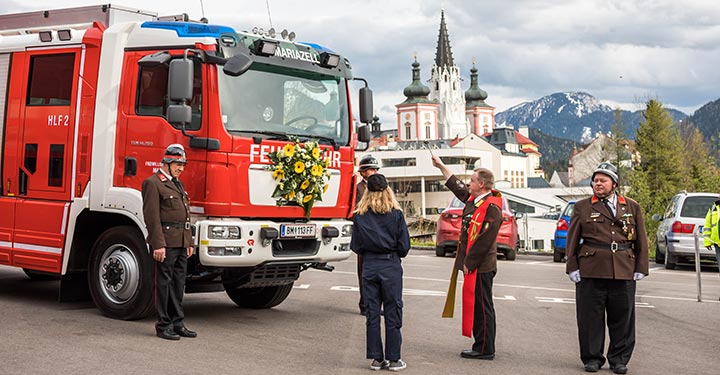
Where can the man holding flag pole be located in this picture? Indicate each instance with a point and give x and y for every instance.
(476, 258)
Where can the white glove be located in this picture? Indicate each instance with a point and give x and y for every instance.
(575, 276)
(637, 276)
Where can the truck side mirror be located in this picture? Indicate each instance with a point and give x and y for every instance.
(180, 80)
(237, 65)
(366, 105)
(363, 133)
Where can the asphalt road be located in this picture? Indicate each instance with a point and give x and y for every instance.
(318, 330)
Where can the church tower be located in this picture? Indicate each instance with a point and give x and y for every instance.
(417, 115)
(479, 114)
(445, 88)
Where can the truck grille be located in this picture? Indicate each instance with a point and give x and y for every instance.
(290, 248)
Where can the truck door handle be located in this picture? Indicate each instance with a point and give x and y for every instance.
(130, 166)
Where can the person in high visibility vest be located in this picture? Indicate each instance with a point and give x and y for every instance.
(711, 235)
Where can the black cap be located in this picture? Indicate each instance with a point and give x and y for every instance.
(377, 182)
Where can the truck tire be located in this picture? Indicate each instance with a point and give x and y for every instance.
(40, 276)
(440, 251)
(259, 298)
(120, 274)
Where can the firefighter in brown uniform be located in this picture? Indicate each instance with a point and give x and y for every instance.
(367, 167)
(477, 256)
(166, 208)
(607, 252)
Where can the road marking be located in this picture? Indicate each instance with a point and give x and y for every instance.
(572, 301)
(415, 292)
(302, 286)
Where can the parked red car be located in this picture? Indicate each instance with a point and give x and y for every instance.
(450, 221)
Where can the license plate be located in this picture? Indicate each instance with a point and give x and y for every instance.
(297, 230)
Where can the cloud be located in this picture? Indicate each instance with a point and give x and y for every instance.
(616, 50)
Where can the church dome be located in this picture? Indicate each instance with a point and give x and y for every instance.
(416, 92)
(475, 96)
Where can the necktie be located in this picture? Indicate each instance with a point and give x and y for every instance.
(177, 184)
(608, 206)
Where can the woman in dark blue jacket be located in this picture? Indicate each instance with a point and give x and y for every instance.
(380, 236)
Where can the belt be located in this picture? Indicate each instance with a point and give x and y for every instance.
(608, 246)
(369, 255)
(176, 224)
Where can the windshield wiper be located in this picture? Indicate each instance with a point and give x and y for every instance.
(269, 134)
(320, 138)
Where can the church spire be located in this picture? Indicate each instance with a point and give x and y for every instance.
(443, 55)
(475, 96)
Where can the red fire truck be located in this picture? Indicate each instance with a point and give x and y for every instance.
(89, 99)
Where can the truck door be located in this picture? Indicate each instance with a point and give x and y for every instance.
(37, 174)
(144, 132)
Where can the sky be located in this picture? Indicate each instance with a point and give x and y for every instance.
(623, 52)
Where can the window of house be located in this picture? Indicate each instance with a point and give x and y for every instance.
(407, 130)
(51, 80)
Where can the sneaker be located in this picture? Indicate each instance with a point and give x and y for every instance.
(379, 365)
(398, 365)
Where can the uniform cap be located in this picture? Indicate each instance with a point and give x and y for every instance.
(368, 162)
(175, 153)
(607, 169)
(377, 182)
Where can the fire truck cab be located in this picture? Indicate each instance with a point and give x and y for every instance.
(89, 99)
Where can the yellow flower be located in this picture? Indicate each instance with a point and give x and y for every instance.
(291, 195)
(325, 188)
(327, 162)
(305, 184)
(299, 167)
(316, 153)
(289, 150)
(278, 174)
(316, 170)
(307, 198)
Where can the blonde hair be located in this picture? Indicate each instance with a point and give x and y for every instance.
(380, 202)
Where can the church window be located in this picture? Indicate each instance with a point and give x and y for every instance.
(408, 133)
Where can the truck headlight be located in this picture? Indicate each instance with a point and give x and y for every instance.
(346, 230)
(223, 232)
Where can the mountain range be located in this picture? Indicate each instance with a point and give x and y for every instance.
(576, 116)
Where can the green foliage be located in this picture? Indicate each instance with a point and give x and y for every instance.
(301, 173)
(659, 176)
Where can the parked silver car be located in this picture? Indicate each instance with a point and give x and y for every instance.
(683, 217)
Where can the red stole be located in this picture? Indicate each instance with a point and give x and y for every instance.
(469, 279)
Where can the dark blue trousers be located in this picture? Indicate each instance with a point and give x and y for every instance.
(382, 287)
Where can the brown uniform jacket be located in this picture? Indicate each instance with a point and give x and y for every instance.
(166, 211)
(360, 191)
(482, 256)
(592, 223)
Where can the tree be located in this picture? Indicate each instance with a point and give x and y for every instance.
(700, 170)
(659, 175)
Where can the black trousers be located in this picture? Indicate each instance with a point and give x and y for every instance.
(170, 287)
(484, 320)
(594, 298)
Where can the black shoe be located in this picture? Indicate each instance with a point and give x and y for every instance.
(592, 367)
(619, 368)
(476, 355)
(184, 332)
(167, 334)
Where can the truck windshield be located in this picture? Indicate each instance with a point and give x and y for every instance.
(274, 101)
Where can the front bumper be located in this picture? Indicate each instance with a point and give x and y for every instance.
(253, 249)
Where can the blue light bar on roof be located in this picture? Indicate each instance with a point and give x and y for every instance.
(189, 29)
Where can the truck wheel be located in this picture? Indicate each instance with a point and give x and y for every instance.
(510, 254)
(39, 275)
(259, 298)
(440, 251)
(121, 274)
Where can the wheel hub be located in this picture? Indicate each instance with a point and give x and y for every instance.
(119, 274)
